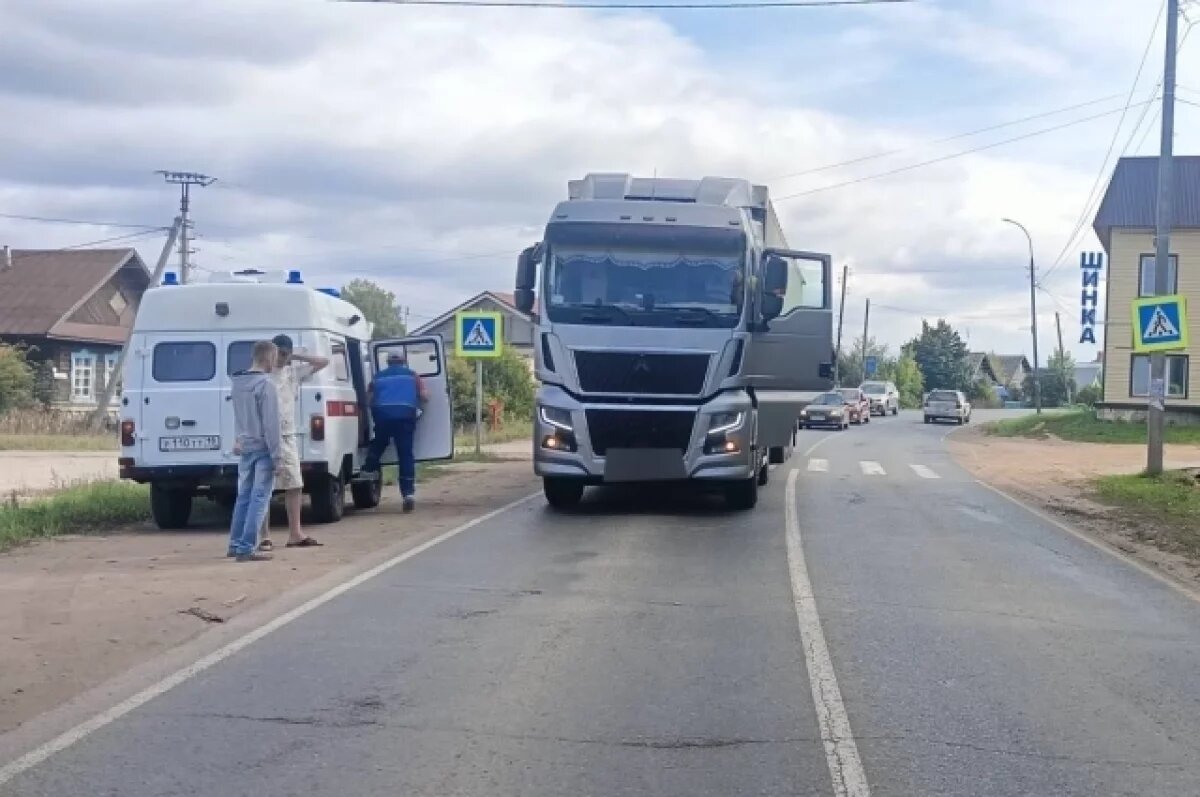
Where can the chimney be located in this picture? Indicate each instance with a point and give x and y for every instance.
(6, 263)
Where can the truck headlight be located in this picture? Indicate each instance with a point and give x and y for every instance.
(558, 418)
(724, 422)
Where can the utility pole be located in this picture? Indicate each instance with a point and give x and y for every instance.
(96, 422)
(1156, 413)
(1062, 359)
(185, 180)
(866, 321)
(837, 356)
(1037, 377)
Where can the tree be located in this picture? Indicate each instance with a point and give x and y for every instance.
(43, 384)
(851, 363)
(942, 356)
(906, 375)
(983, 395)
(505, 378)
(1088, 396)
(16, 379)
(378, 306)
(1058, 381)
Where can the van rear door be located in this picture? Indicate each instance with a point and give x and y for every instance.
(426, 356)
(183, 401)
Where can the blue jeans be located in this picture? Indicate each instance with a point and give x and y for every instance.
(401, 433)
(256, 482)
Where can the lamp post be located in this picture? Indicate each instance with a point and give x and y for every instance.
(1037, 379)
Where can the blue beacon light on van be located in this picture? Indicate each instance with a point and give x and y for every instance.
(334, 292)
(294, 278)
(170, 278)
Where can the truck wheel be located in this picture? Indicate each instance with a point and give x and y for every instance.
(367, 494)
(328, 499)
(170, 508)
(742, 495)
(777, 455)
(896, 410)
(764, 475)
(562, 493)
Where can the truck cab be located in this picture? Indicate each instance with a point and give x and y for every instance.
(177, 423)
(678, 336)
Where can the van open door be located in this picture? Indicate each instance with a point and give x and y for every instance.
(426, 356)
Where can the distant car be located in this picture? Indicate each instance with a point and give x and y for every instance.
(884, 397)
(950, 405)
(858, 404)
(827, 409)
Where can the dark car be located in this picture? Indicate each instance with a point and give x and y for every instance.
(827, 409)
(858, 404)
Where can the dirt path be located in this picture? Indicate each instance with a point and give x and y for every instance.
(1055, 475)
(75, 611)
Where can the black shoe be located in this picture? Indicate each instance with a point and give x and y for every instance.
(410, 503)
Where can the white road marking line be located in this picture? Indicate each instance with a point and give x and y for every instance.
(90, 726)
(818, 465)
(841, 753)
(872, 468)
(924, 472)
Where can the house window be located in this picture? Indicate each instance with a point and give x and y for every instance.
(1146, 275)
(118, 303)
(83, 376)
(1177, 375)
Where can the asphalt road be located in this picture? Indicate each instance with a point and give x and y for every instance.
(650, 646)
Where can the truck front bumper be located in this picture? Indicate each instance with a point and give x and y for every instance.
(629, 442)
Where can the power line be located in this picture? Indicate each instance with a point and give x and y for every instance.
(53, 220)
(951, 156)
(685, 6)
(937, 141)
(85, 244)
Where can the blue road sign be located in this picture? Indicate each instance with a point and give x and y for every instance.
(477, 334)
(871, 366)
(1160, 323)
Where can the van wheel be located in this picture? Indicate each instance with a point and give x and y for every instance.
(328, 499)
(562, 493)
(367, 494)
(742, 495)
(171, 508)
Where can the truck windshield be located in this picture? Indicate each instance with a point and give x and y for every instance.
(633, 287)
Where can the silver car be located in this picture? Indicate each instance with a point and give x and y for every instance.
(884, 397)
(950, 405)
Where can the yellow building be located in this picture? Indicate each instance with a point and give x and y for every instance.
(1125, 226)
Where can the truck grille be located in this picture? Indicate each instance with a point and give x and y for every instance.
(641, 374)
(639, 429)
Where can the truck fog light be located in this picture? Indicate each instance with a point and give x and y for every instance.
(559, 440)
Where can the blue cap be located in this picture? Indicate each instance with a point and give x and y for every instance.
(170, 278)
(294, 278)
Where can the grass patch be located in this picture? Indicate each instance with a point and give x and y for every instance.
(1168, 505)
(76, 510)
(1082, 426)
(54, 442)
(513, 430)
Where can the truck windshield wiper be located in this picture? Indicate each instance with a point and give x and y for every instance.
(699, 315)
(603, 313)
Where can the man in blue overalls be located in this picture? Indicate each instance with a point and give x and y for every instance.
(395, 398)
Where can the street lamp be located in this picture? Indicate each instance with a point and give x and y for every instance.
(1037, 377)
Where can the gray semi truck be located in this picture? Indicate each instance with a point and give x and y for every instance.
(677, 336)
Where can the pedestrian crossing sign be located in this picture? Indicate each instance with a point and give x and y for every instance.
(1160, 323)
(477, 334)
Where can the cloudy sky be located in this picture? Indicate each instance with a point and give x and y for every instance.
(424, 147)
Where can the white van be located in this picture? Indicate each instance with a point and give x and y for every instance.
(177, 428)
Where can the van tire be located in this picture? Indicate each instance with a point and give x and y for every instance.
(328, 498)
(562, 493)
(367, 494)
(171, 509)
(743, 495)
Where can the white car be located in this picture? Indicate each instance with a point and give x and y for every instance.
(950, 405)
(884, 397)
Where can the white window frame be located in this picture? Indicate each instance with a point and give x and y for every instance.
(1146, 266)
(83, 375)
(1133, 367)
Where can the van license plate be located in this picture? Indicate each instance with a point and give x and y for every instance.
(208, 442)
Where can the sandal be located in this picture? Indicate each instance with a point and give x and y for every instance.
(307, 542)
(266, 545)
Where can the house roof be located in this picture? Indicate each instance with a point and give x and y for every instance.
(979, 361)
(1005, 365)
(505, 300)
(44, 287)
(1132, 196)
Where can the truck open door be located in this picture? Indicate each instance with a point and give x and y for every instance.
(426, 356)
(790, 357)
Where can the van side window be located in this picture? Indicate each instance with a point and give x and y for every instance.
(422, 357)
(239, 356)
(340, 363)
(186, 361)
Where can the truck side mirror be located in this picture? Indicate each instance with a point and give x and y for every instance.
(526, 280)
(775, 279)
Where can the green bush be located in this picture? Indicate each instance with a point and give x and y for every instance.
(16, 379)
(506, 378)
(1088, 396)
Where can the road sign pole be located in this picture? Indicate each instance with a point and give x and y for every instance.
(478, 406)
(1156, 411)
